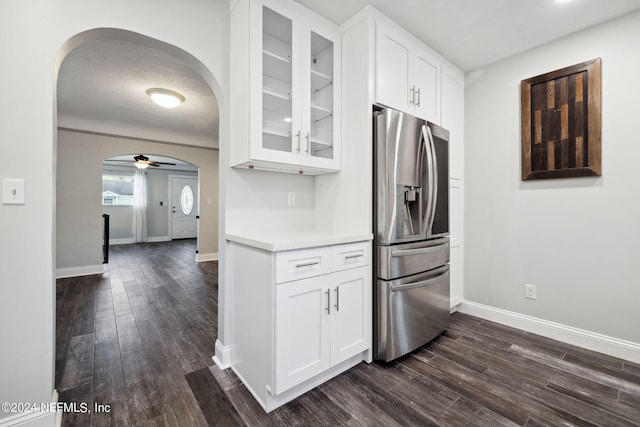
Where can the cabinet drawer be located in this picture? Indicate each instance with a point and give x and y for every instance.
(350, 256)
(301, 264)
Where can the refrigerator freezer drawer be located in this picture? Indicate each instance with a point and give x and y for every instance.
(411, 258)
(411, 312)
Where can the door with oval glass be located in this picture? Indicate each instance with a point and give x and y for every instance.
(184, 207)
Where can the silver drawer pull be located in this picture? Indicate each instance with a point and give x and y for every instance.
(353, 256)
(307, 264)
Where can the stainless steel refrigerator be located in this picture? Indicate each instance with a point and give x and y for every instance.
(411, 221)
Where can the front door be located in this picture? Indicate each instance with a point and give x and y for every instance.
(184, 207)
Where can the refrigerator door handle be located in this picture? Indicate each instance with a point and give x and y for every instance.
(441, 272)
(419, 251)
(433, 181)
(427, 221)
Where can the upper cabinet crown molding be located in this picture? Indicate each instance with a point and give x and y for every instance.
(285, 88)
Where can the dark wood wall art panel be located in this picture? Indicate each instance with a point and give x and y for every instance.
(561, 122)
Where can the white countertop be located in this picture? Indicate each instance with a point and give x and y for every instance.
(292, 240)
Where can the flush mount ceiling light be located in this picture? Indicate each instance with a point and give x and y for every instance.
(165, 98)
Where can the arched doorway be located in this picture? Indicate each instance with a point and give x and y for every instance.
(82, 144)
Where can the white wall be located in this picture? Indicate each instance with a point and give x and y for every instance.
(33, 33)
(120, 222)
(575, 239)
(257, 201)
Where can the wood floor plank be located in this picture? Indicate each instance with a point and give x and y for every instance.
(214, 404)
(105, 326)
(574, 410)
(422, 400)
(108, 379)
(80, 401)
(326, 411)
(140, 309)
(359, 402)
(78, 369)
(249, 410)
(494, 395)
(581, 371)
(121, 304)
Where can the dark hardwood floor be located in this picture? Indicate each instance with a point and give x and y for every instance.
(140, 339)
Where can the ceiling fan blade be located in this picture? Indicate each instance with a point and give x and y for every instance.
(164, 163)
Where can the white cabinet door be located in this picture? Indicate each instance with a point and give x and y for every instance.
(426, 78)
(407, 74)
(275, 85)
(393, 64)
(321, 102)
(350, 326)
(452, 117)
(302, 331)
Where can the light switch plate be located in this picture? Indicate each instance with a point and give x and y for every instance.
(13, 191)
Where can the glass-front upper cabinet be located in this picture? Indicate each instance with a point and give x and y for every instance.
(292, 120)
(321, 112)
(277, 81)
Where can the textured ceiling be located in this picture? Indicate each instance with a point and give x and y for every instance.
(102, 88)
(474, 33)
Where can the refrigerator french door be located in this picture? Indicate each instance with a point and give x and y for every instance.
(411, 220)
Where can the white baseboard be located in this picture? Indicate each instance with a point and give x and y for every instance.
(158, 239)
(125, 241)
(222, 357)
(207, 257)
(87, 270)
(590, 340)
(129, 240)
(40, 418)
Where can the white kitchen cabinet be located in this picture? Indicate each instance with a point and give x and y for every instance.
(301, 315)
(290, 63)
(407, 73)
(320, 323)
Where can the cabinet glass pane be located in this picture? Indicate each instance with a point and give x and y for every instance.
(321, 132)
(276, 81)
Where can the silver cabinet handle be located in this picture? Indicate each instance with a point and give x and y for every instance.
(353, 256)
(298, 135)
(412, 93)
(308, 143)
(307, 264)
(328, 301)
(337, 298)
(418, 94)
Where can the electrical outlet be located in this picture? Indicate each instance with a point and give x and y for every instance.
(291, 198)
(530, 291)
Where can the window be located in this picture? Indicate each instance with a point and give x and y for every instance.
(186, 200)
(117, 190)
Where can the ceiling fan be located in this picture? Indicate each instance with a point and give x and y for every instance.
(142, 162)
